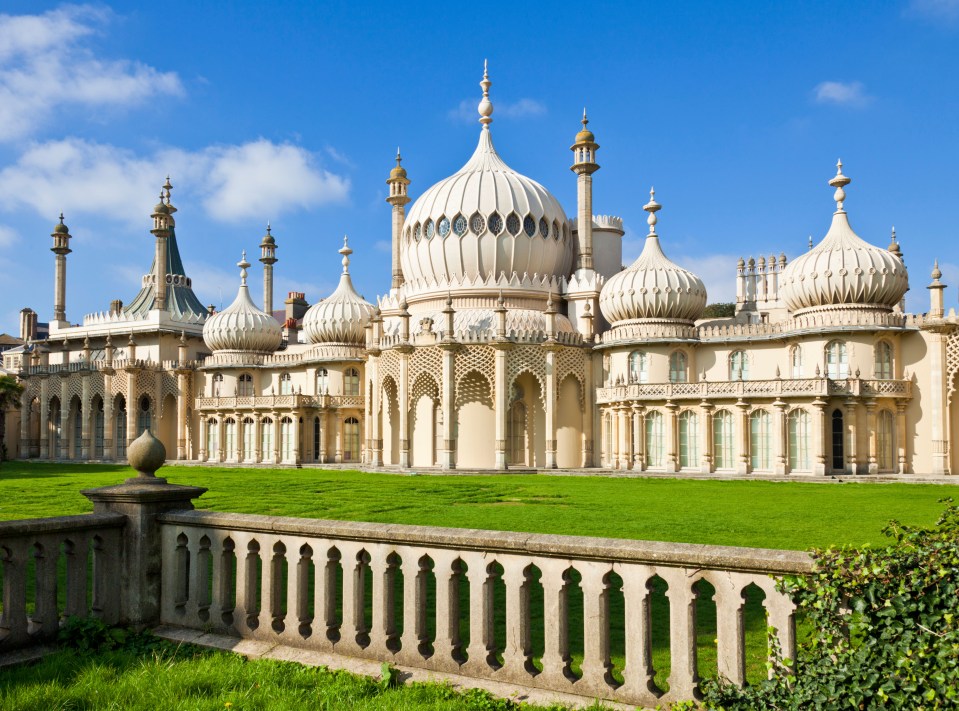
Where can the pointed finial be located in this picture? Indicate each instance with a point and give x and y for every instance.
(269, 227)
(485, 107)
(936, 272)
(346, 252)
(839, 182)
(585, 120)
(61, 217)
(652, 207)
(810, 241)
(399, 158)
(243, 265)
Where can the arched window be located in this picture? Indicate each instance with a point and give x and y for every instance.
(98, 430)
(638, 367)
(322, 381)
(212, 437)
(677, 367)
(351, 382)
(286, 384)
(760, 441)
(351, 440)
(286, 439)
(230, 437)
(738, 366)
(143, 415)
(887, 441)
(723, 441)
(688, 439)
(837, 360)
(317, 434)
(216, 384)
(266, 439)
(516, 433)
(244, 386)
(120, 428)
(77, 432)
(883, 369)
(654, 440)
(795, 362)
(797, 441)
(249, 439)
(608, 438)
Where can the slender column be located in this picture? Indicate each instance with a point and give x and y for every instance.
(376, 418)
(613, 436)
(637, 425)
(221, 438)
(597, 666)
(352, 627)
(901, 436)
(25, 413)
(779, 437)
(447, 645)
(672, 425)
(819, 436)
(324, 600)
(623, 430)
(86, 419)
(873, 436)
(706, 410)
(939, 411)
(684, 675)
(183, 388)
(15, 592)
(132, 398)
(383, 622)
(404, 398)
(482, 646)
(639, 647)
(556, 657)
(414, 637)
(589, 407)
(550, 409)
(742, 466)
(338, 452)
(730, 630)
(501, 398)
(63, 440)
(324, 433)
(204, 437)
(447, 397)
(277, 436)
(45, 619)
(297, 458)
(44, 417)
(780, 611)
(852, 414)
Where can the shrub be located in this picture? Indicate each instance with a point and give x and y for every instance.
(724, 310)
(886, 621)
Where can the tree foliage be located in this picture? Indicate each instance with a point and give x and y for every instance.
(722, 310)
(10, 390)
(887, 634)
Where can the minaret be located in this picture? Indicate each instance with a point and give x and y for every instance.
(398, 198)
(937, 307)
(894, 245)
(61, 248)
(268, 257)
(584, 165)
(162, 222)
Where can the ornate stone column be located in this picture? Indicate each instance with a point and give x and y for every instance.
(742, 461)
(873, 436)
(375, 422)
(901, 435)
(779, 437)
(550, 405)
(706, 408)
(852, 415)
(204, 436)
(624, 431)
(589, 407)
(45, 417)
(404, 403)
(182, 398)
(297, 458)
(819, 437)
(338, 454)
(63, 440)
(672, 424)
(25, 425)
(324, 433)
(221, 437)
(939, 410)
(447, 403)
(86, 416)
(257, 438)
(637, 425)
(132, 405)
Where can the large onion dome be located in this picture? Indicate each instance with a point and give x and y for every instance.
(241, 326)
(843, 271)
(653, 288)
(342, 316)
(484, 220)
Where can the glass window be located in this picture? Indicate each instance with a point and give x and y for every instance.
(795, 362)
(444, 227)
(143, 415)
(286, 384)
(512, 224)
(351, 382)
(555, 230)
(495, 223)
(230, 438)
(286, 439)
(77, 432)
(654, 439)
(416, 231)
(245, 386)
(883, 368)
(351, 440)
(477, 224)
(216, 384)
(322, 381)
(638, 367)
(430, 229)
(738, 366)
(837, 360)
(249, 439)
(212, 437)
(677, 367)
(516, 433)
(688, 439)
(266, 439)
(529, 226)
(543, 228)
(317, 434)
(760, 441)
(459, 225)
(798, 440)
(887, 441)
(723, 443)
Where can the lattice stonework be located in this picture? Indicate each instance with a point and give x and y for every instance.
(952, 360)
(74, 387)
(424, 384)
(96, 385)
(572, 361)
(146, 384)
(528, 359)
(426, 360)
(478, 358)
(389, 364)
(168, 386)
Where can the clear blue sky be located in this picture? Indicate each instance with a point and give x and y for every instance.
(292, 111)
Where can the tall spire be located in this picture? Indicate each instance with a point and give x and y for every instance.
(839, 182)
(652, 207)
(485, 107)
(346, 252)
(243, 265)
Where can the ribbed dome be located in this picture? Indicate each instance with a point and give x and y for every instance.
(342, 316)
(241, 326)
(843, 271)
(483, 220)
(653, 287)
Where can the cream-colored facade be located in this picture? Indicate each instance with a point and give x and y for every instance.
(512, 336)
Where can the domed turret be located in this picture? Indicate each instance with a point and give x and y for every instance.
(241, 326)
(484, 220)
(843, 271)
(342, 316)
(653, 288)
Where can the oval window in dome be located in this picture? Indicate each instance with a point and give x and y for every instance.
(555, 230)
(459, 225)
(495, 223)
(477, 223)
(430, 229)
(416, 231)
(512, 224)
(543, 228)
(529, 226)
(444, 227)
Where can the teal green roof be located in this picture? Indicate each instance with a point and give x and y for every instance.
(181, 302)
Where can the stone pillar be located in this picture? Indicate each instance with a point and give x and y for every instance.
(706, 408)
(779, 437)
(297, 459)
(181, 408)
(873, 436)
(132, 405)
(819, 437)
(86, 418)
(852, 414)
(901, 435)
(637, 425)
(501, 400)
(24, 425)
(221, 437)
(404, 403)
(257, 439)
(45, 417)
(671, 437)
(109, 446)
(63, 439)
(204, 437)
(141, 499)
(376, 418)
(338, 440)
(447, 403)
(939, 403)
(623, 431)
(588, 410)
(277, 436)
(324, 433)
(550, 408)
(742, 462)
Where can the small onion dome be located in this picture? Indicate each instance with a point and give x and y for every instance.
(342, 316)
(241, 326)
(161, 207)
(60, 228)
(653, 287)
(585, 135)
(398, 172)
(268, 238)
(843, 271)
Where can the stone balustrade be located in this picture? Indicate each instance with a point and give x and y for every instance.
(777, 387)
(274, 402)
(304, 583)
(31, 550)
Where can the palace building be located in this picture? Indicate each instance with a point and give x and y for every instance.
(510, 336)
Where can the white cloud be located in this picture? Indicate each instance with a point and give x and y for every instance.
(718, 272)
(258, 179)
(935, 10)
(45, 64)
(851, 93)
(466, 112)
(383, 245)
(7, 236)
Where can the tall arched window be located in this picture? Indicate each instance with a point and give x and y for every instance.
(837, 360)
(760, 440)
(887, 441)
(266, 439)
(216, 384)
(798, 440)
(244, 387)
(322, 381)
(317, 434)
(608, 438)
(78, 432)
(723, 441)
(677, 367)
(230, 437)
(98, 429)
(212, 437)
(351, 382)
(516, 433)
(638, 367)
(738, 366)
(688, 439)
(351, 440)
(120, 428)
(883, 369)
(286, 439)
(249, 439)
(654, 440)
(795, 362)
(286, 384)
(143, 415)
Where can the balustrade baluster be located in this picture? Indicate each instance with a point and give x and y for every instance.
(46, 619)
(106, 570)
(191, 586)
(15, 592)
(556, 658)
(730, 630)
(684, 676)
(352, 604)
(638, 671)
(518, 654)
(482, 646)
(245, 616)
(221, 613)
(781, 615)
(269, 583)
(597, 667)
(383, 625)
(415, 570)
(324, 596)
(76, 551)
(297, 617)
(446, 646)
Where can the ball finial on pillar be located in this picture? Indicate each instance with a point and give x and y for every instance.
(146, 455)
